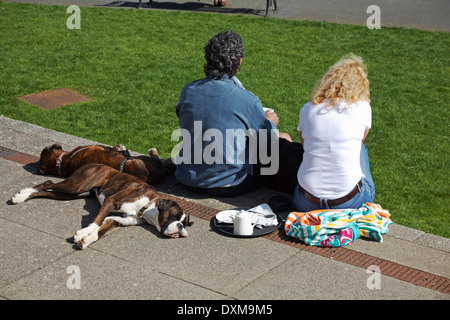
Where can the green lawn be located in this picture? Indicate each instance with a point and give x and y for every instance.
(134, 64)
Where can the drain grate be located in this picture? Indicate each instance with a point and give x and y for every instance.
(56, 98)
(17, 156)
(341, 254)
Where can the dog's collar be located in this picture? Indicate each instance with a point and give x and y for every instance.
(122, 164)
(59, 159)
(150, 213)
(59, 162)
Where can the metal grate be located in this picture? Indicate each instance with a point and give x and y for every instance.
(56, 98)
(17, 156)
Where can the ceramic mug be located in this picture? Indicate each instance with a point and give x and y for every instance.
(242, 224)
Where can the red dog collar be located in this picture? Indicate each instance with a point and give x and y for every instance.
(59, 162)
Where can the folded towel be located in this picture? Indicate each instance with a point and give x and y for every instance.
(338, 227)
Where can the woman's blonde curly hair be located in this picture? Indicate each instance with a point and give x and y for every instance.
(344, 81)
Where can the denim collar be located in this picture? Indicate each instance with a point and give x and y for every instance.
(227, 78)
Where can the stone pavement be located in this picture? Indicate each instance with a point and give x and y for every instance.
(38, 258)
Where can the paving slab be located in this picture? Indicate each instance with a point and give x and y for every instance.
(307, 276)
(211, 260)
(25, 250)
(102, 276)
(407, 253)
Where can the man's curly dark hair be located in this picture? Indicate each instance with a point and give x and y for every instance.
(222, 54)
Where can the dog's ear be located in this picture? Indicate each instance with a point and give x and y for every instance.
(56, 146)
(47, 159)
(52, 148)
(165, 204)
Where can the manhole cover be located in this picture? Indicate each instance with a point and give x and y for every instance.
(51, 99)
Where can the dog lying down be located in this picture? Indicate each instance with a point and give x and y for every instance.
(151, 169)
(117, 192)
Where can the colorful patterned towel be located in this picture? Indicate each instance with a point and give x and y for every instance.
(335, 228)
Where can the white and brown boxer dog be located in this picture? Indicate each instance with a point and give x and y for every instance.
(151, 169)
(116, 192)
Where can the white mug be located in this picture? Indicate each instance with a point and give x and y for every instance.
(242, 224)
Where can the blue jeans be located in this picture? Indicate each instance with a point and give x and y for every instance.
(366, 192)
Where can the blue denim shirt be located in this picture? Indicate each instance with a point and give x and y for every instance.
(217, 104)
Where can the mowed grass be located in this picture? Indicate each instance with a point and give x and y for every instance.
(134, 63)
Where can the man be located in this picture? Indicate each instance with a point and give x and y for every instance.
(224, 127)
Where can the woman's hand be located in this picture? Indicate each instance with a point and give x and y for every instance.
(365, 135)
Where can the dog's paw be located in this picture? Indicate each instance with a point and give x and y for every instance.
(23, 195)
(84, 237)
(119, 147)
(152, 152)
(77, 237)
(86, 241)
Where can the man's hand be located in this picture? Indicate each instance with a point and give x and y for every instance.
(272, 116)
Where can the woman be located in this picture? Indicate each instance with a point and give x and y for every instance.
(335, 171)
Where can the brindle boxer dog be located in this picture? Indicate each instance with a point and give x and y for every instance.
(151, 169)
(116, 192)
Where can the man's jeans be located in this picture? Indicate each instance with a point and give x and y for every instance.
(366, 192)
